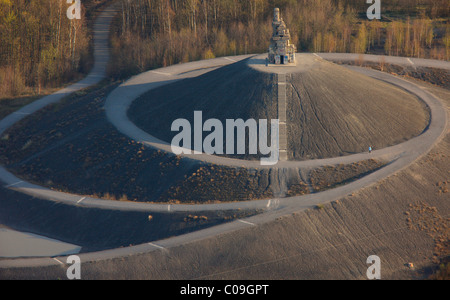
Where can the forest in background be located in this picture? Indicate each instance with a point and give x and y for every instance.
(156, 33)
(41, 48)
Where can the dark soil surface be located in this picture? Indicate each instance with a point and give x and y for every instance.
(71, 147)
(226, 184)
(400, 219)
(10, 105)
(438, 77)
(335, 111)
(214, 184)
(99, 229)
(332, 111)
(331, 176)
(232, 92)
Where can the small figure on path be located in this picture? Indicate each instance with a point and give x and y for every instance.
(370, 149)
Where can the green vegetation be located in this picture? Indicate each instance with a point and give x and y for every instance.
(320, 207)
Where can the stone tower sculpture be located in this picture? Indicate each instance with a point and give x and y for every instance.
(281, 51)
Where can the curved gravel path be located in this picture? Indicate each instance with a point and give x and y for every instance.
(118, 101)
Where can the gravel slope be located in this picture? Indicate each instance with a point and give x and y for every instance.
(334, 111)
(329, 243)
(231, 92)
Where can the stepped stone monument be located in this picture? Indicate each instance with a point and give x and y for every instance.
(281, 51)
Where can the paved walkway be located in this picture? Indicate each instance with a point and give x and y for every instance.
(282, 105)
(401, 155)
(394, 60)
(120, 99)
(97, 74)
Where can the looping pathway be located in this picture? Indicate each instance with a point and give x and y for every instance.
(120, 99)
(116, 106)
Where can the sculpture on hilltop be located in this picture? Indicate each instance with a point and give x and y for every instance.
(281, 51)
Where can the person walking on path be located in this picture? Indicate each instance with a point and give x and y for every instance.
(370, 149)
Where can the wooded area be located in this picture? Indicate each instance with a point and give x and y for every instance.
(150, 34)
(40, 47)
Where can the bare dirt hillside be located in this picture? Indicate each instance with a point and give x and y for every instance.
(231, 92)
(71, 147)
(402, 219)
(334, 111)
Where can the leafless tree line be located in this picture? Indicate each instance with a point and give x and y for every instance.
(155, 33)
